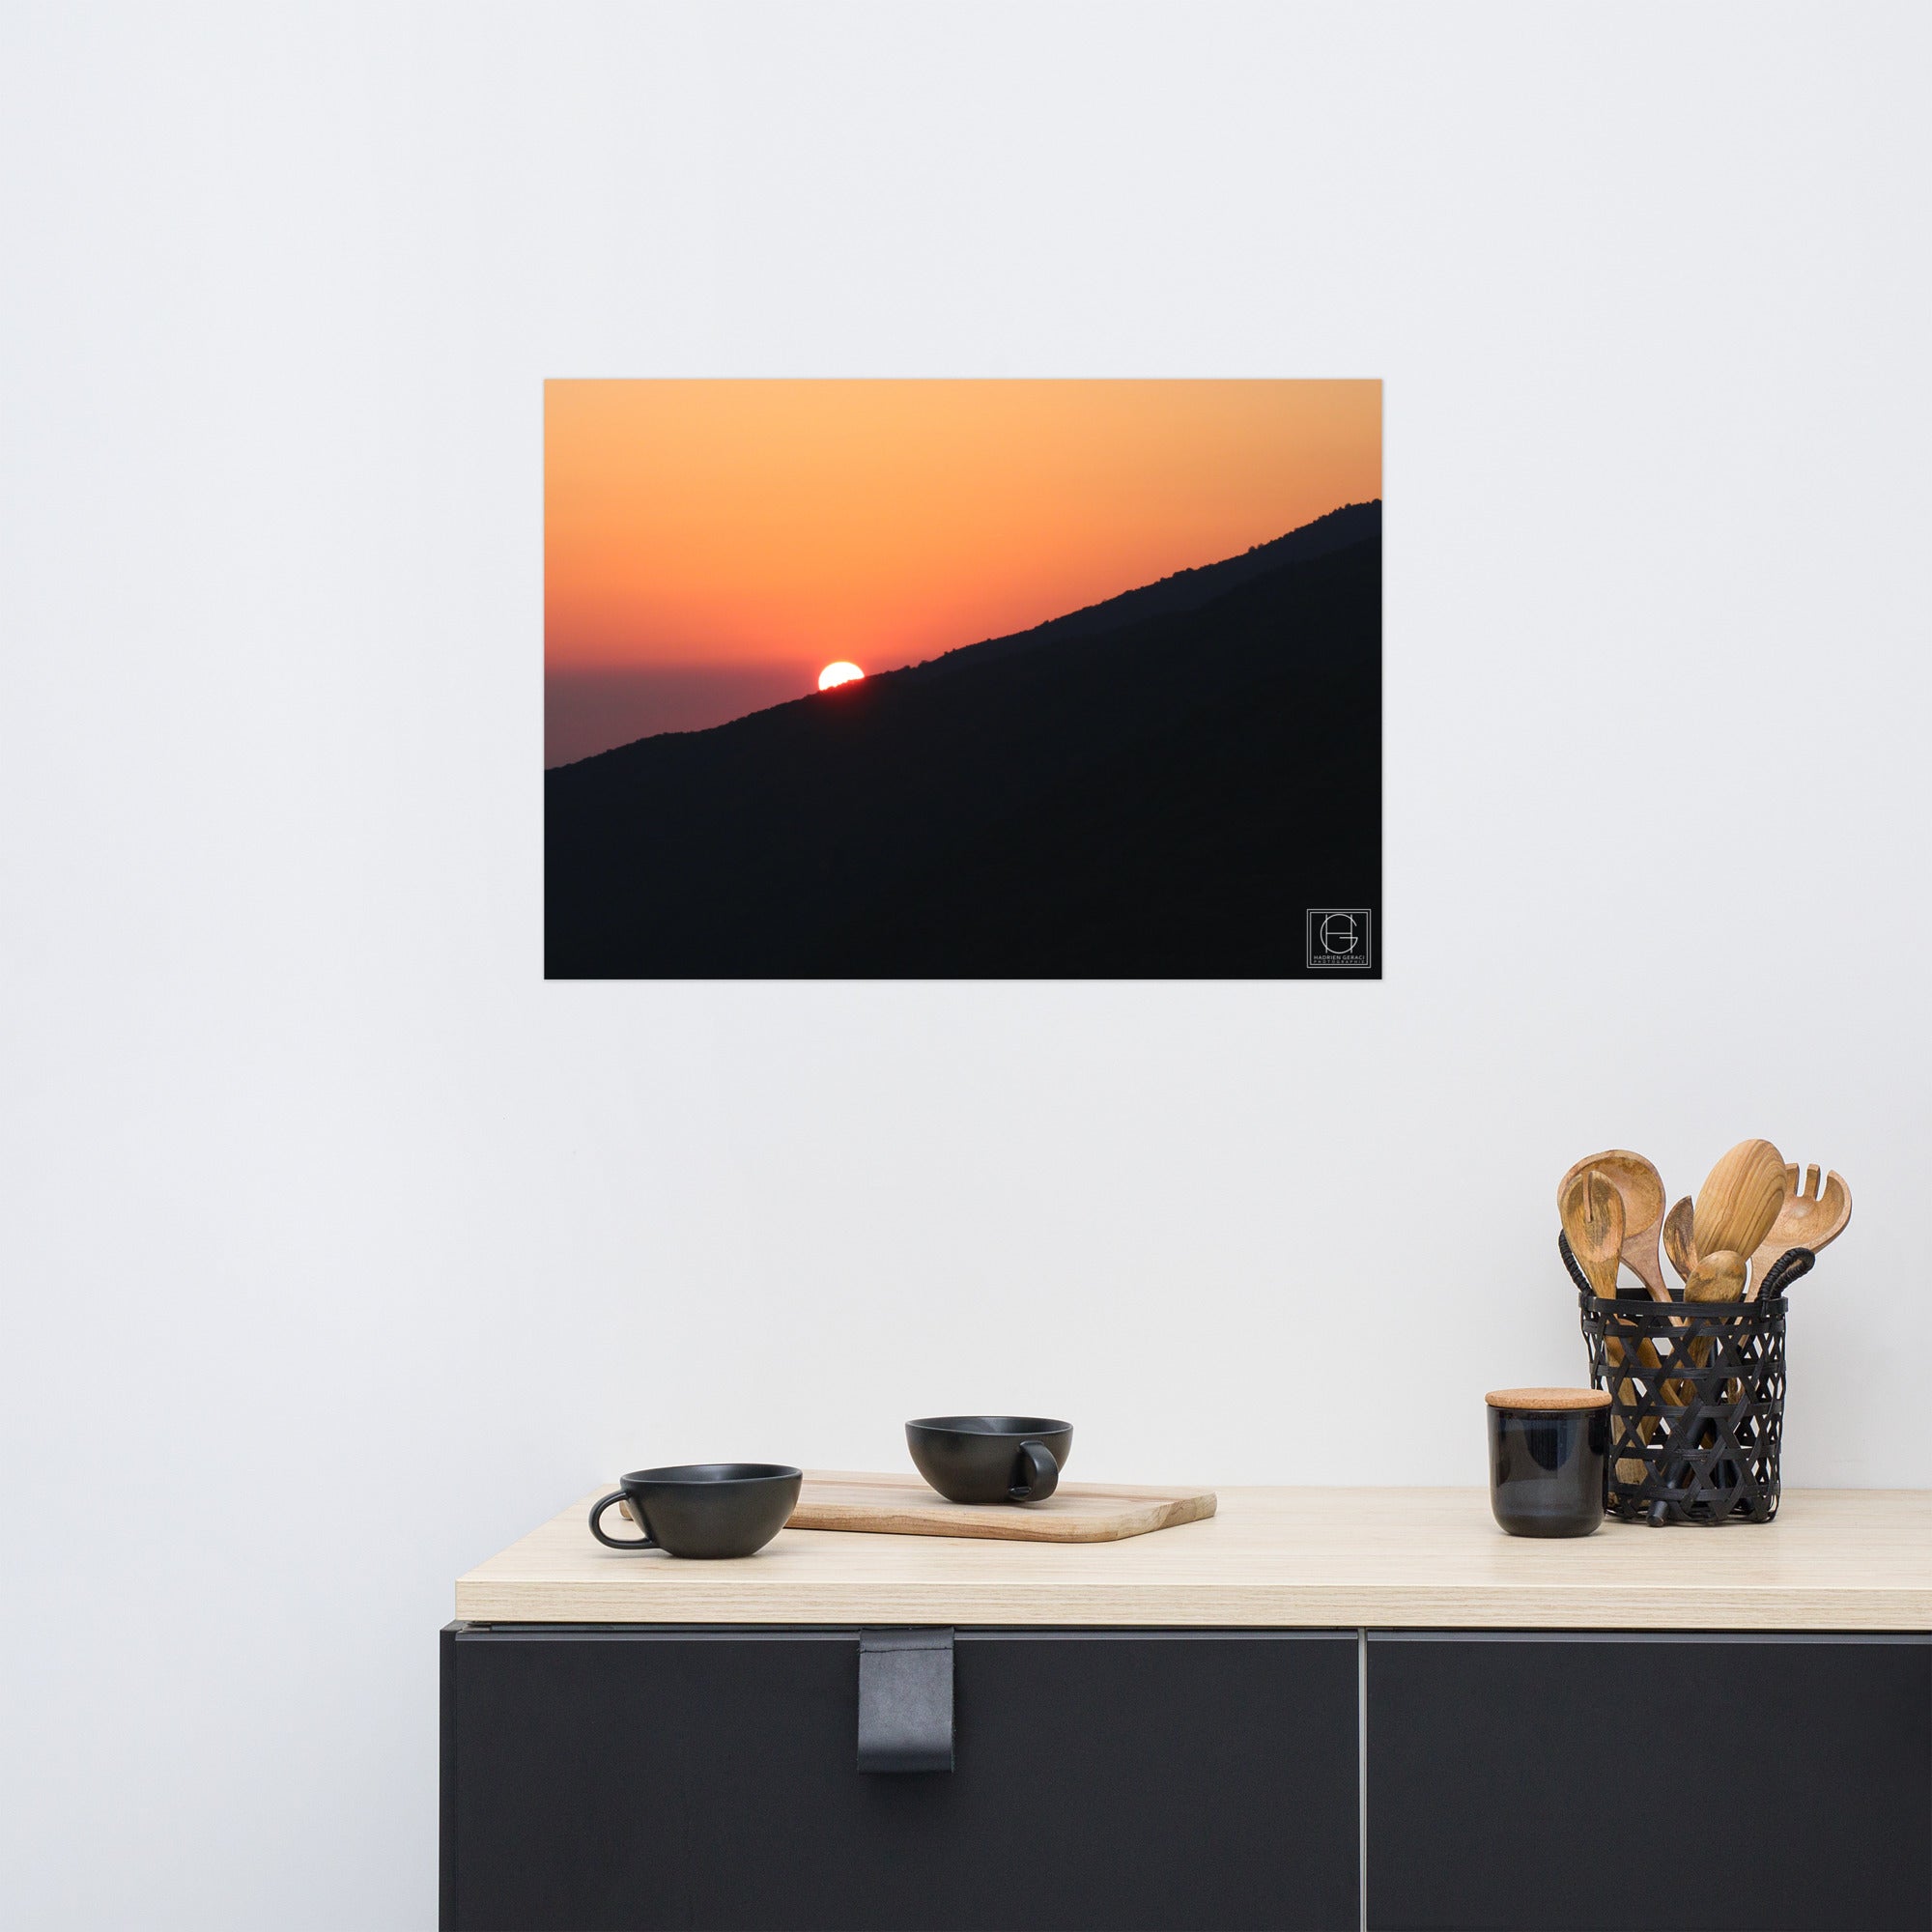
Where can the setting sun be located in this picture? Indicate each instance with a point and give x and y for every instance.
(840, 672)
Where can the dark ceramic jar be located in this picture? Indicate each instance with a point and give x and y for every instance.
(1549, 1457)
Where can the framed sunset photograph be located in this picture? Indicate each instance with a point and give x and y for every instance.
(962, 679)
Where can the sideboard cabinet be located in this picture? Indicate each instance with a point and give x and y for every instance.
(1020, 1753)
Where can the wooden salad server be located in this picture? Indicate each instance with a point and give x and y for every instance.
(1641, 1188)
(1809, 1216)
(1592, 1211)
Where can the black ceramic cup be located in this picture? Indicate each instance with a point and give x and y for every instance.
(990, 1458)
(1548, 1459)
(702, 1509)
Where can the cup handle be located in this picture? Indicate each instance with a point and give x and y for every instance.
(1042, 1475)
(597, 1510)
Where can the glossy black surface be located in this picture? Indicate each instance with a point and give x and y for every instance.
(1547, 1470)
(1606, 1782)
(702, 1509)
(990, 1458)
(1115, 1782)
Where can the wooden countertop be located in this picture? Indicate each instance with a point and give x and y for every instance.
(1834, 1559)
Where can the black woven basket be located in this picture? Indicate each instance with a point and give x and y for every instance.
(1696, 1400)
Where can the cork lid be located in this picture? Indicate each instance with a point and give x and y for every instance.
(1546, 1400)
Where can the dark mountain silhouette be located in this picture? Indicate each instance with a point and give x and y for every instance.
(1159, 792)
(1185, 590)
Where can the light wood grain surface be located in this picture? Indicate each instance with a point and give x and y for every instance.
(894, 1505)
(1548, 1401)
(1844, 1559)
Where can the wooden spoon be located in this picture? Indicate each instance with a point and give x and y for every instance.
(1680, 1241)
(1717, 1277)
(1593, 1218)
(1739, 1199)
(1808, 1217)
(1641, 1187)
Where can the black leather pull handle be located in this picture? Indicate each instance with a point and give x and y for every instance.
(905, 1700)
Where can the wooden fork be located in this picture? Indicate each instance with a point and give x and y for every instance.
(1808, 1217)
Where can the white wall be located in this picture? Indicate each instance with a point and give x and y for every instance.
(339, 1249)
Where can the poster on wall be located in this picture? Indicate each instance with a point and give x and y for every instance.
(962, 679)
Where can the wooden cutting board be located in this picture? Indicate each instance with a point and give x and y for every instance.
(1075, 1513)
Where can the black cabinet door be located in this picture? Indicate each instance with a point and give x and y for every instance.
(605, 1778)
(1586, 1783)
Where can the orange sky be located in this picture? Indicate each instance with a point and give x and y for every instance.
(732, 523)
